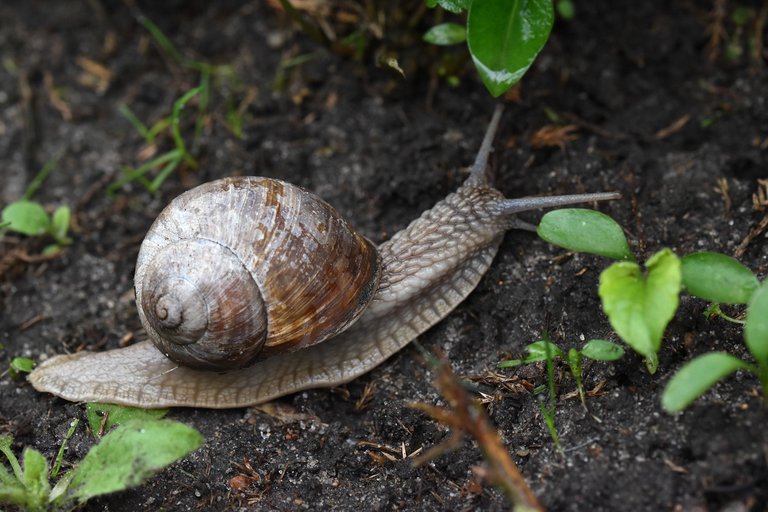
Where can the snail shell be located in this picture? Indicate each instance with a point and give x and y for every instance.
(322, 324)
(242, 268)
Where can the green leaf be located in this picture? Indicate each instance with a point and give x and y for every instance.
(696, 377)
(5, 448)
(12, 491)
(446, 34)
(639, 307)
(589, 231)
(538, 351)
(36, 477)
(117, 415)
(504, 37)
(20, 365)
(602, 350)
(718, 278)
(130, 454)
(756, 327)
(26, 217)
(60, 224)
(455, 6)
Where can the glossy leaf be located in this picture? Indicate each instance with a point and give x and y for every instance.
(26, 217)
(640, 306)
(130, 454)
(446, 34)
(602, 350)
(696, 377)
(582, 230)
(718, 278)
(756, 327)
(505, 36)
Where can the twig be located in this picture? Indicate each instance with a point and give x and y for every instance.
(753, 233)
(466, 416)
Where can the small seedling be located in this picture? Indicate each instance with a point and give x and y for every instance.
(703, 372)
(548, 403)
(170, 160)
(30, 218)
(20, 365)
(503, 36)
(639, 304)
(597, 350)
(126, 457)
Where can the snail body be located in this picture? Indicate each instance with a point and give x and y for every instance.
(273, 266)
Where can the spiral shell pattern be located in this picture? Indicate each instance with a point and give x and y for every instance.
(240, 268)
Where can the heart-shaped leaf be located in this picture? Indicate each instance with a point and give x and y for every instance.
(639, 306)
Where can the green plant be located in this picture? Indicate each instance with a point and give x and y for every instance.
(737, 285)
(640, 305)
(503, 36)
(124, 458)
(597, 350)
(102, 417)
(548, 403)
(170, 160)
(181, 153)
(29, 218)
(20, 365)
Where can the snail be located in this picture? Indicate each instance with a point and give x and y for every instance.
(252, 288)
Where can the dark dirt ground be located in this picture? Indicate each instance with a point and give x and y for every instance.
(364, 139)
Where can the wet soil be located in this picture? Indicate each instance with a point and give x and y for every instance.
(653, 117)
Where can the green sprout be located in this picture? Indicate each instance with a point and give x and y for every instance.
(29, 217)
(170, 160)
(596, 350)
(20, 365)
(548, 403)
(639, 304)
(503, 36)
(126, 457)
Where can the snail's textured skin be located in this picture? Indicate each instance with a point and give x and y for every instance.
(420, 275)
(428, 268)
